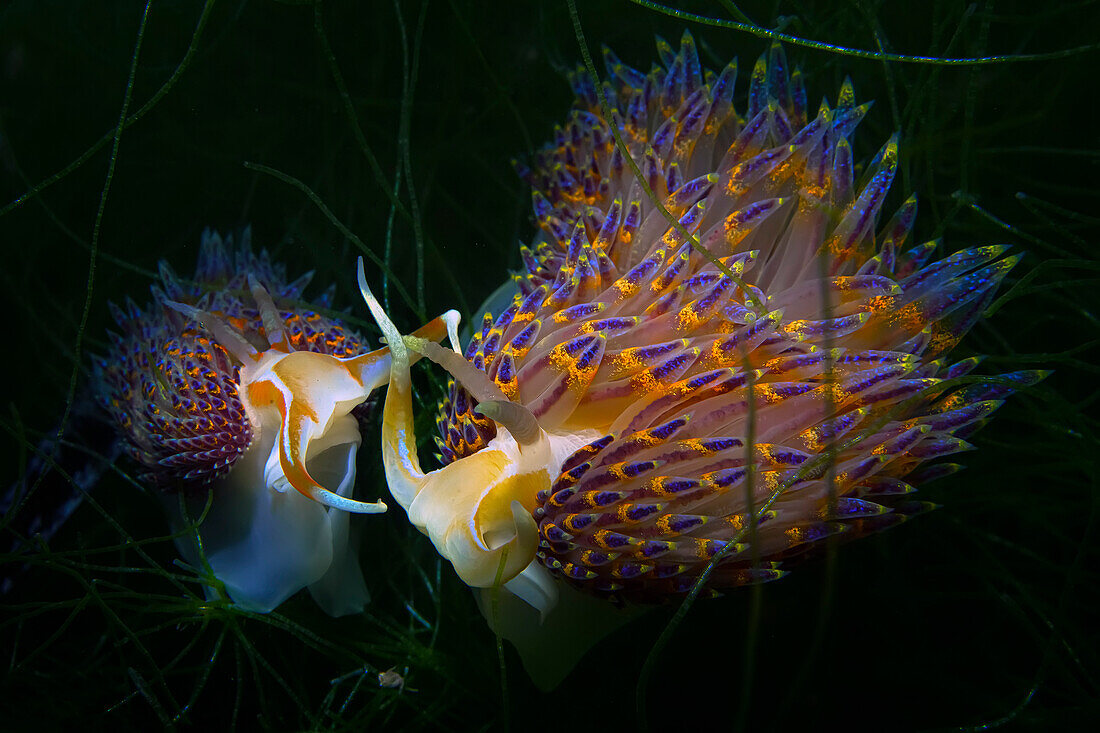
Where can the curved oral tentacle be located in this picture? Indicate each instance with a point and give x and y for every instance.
(227, 338)
(399, 459)
(492, 402)
(518, 420)
(298, 429)
(269, 316)
(476, 382)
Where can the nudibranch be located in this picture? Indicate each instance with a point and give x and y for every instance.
(714, 358)
(231, 383)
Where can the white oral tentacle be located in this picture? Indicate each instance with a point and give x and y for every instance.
(403, 473)
(269, 315)
(326, 497)
(226, 337)
(519, 421)
(399, 355)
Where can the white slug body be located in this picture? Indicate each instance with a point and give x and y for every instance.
(218, 388)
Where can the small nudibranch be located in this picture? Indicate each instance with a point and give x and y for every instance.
(643, 412)
(219, 386)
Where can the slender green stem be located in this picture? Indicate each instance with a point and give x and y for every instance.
(761, 32)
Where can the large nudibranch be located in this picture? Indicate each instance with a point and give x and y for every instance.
(232, 382)
(723, 392)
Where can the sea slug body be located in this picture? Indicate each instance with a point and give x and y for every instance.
(231, 385)
(714, 358)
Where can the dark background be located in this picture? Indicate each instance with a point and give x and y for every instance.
(977, 615)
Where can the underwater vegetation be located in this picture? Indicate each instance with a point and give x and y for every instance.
(339, 132)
